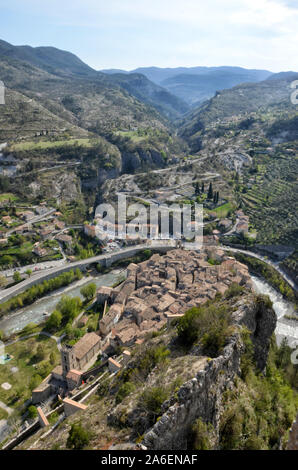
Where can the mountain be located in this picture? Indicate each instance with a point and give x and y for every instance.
(251, 133)
(50, 68)
(49, 59)
(237, 101)
(195, 84)
(145, 90)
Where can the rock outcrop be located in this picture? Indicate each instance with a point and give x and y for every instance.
(201, 397)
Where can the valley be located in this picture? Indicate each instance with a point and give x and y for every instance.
(174, 335)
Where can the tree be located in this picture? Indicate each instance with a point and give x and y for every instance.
(40, 355)
(152, 399)
(28, 272)
(203, 188)
(124, 391)
(52, 358)
(197, 189)
(201, 435)
(210, 192)
(55, 320)
(1, 335)
(34, 381)
(7, 260)
(88, 291)
(78, 273)
(78, 437)
(3, 280)
(69, 307)
(17, 277)
(32, 412)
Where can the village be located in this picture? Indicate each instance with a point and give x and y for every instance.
(155, 293)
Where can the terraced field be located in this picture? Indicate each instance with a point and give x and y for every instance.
(272, 200)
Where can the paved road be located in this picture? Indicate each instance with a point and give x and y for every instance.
(39, 266)
(62, 165)
(44, 333)
(40, 276)
(37, 218)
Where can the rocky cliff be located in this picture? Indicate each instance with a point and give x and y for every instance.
(201, 396)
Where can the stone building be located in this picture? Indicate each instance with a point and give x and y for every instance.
(77, 357)
(161, 289)
(74, 361)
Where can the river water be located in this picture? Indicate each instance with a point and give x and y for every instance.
(38, 311)
(285, 328)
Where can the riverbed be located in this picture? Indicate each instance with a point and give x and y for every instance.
(39, 310)
(285, 328)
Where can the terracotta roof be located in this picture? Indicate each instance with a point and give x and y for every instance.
(115, 363)
(42, 416)
(68, 401)
(127, 335)
(83, 346)
(74, 375)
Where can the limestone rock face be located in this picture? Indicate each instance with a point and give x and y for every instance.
(201, 397)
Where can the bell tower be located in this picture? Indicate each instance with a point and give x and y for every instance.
(68, 359)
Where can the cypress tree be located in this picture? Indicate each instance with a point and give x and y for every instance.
(210, 192)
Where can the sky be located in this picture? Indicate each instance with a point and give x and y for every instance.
(127, 34)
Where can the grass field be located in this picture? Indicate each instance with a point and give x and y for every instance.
(222, 211)
(29, 365)
(43, 144)
(133, 135)
(8, 197)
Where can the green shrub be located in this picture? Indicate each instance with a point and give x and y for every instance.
(201, 435)
(32, 412)
(126, 389)
(208, 325)
(88, 291)
(150, 358)
(152, 399)
(260, 409)
(234, 290)
(78, 437)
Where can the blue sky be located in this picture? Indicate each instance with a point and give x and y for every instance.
(166, 33)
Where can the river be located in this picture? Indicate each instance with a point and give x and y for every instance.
(37, 312)
(285, 328)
